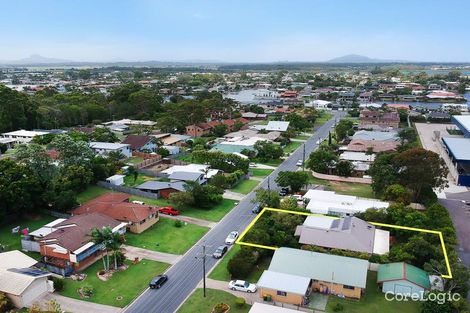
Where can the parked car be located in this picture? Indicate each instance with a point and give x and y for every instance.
(300, 163)
(158, 281)
(138, 202)
(256, 208)
(168, 210)
(298, 197)
(284, 191)
(252, 165)
(242, 285)
(230, 240)
(220, 251)
(318, 142)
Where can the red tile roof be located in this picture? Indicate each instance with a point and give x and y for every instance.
(137, 141)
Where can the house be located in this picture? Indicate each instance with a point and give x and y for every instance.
(318, 104)
(104, 148)
(192, 168)
(117, 180)
(376, 146)
(8, 142)
(348, 233)
(254, 116)
(375, 135)
(388, 119)
(117, 206)
(357, 157)
(277, 126)
(171, 139)
(141, 143)
(23, 136)
(21, 283)
(238, 144)
(66, 246)
(327, 273)
(188, 177)
(250, 133)
(398, 106)
(331, 203)
(201, 129)
(403, 278)
(162, 189)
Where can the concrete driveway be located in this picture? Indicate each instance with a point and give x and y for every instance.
(77, 306)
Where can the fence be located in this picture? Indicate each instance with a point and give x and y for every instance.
(129, 190)
(57, 214)
(358, 180)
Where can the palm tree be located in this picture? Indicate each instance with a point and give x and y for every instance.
(114, 244)
(101, 237)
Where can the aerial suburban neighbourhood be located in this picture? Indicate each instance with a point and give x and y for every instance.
(220, 179)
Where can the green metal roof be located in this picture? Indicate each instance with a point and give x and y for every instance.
(320, 266)
(401, 270)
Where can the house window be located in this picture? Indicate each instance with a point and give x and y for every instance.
(282, 293)
(349, 287)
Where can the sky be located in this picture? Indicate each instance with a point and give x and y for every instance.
(235, 30)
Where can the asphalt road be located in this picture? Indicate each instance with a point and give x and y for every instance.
(185, 275)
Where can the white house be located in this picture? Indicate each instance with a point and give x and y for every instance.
(318, 104)
(331, 203)
(117, 180)
(192, 168)
(107, 147)
(277, 126)
(23, 136)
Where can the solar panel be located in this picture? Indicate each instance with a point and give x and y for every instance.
(29, 271)
(346, 223)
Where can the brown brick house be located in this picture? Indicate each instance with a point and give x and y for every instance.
(387, 119)
(201, 129)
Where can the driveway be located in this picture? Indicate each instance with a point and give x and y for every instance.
(186, 274)
(135, 252)
(77, 306)
(233, 195)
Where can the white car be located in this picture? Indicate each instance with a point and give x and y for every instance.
(298, 197)
(138, 202)
(230, 240)
(242, 285)
(300, 163)
(318, 142)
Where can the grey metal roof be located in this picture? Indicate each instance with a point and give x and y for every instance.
(458, 147)
(375, 135)
(284, 282)
(349, 233)
(159, 185)
(186, 176)
(320, 266)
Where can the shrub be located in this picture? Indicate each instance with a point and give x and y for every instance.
(178, 224)
(240, 302)
(87, 290)
(5, 303)
(338, 307)
(58, 283)
(220, 308)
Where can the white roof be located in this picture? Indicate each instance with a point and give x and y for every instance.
(464, 120)
(116, 177)
(191, 168)
(277, 126)
(7, 140)
(357, 156)
(46, 229)
(322, 202)
(381, 241)
(240, 155)
(284, 282)
(15, 283)
(108, 145)
(25, 133)
(15, 259)
(241, 141)
(258, 307)
(323, 222)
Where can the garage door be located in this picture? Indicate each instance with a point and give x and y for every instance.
(402, 289)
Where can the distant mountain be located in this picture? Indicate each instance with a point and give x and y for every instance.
(36, 59)
(355, 58)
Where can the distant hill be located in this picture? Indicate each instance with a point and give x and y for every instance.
(36, 59)
(356, 58)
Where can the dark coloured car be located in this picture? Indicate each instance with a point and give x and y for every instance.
(219, 252)
(284, 192)
(256, 208)
(158, 281)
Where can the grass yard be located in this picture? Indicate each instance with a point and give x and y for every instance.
(292, 146)
(274, 163)
(129, 180)
(323, 118)
(302, 137)
(352, 189)
(127, 284)
(90, 193)
(13, 241)
(164, 236)
(260, 172)
(373, 301)
(134, 160)
(197, 303)
(245, 186)
(214, 214)
(220, 272)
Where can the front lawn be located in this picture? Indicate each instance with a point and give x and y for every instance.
(164, 236)
(13, 241)
(292, 146)
(197, 303)
(351, 189)
(91, 193)
(127, 284)
(214, 214)
(220, 272)
(260, 172)
(245, 186)
(323, 118)
(271, 162)
(134, 160)
(302, 137)
(372, 301)
(130, 182)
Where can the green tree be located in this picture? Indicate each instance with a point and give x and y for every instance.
(397, 193)
(103, 134)
(321, 160)
(163, 152)
(219, 130)
(74, 177)
(407, 135)
(268, 151)
(268, 198)
(17, 111)
(383, 172)
(72, 152)
(294, 180)
(342, 129)
(289, 204)
(344, 168)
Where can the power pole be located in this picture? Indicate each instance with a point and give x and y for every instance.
(303, 159)
(203, 257)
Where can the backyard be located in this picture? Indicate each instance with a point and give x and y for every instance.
(130, 182)
(121, 288)
(197, 303)
(164, 236)
(372, 301)
(245, 186)
(90, 193)
(351, 189)
(214, 214)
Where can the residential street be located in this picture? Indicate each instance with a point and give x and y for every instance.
(186, 274)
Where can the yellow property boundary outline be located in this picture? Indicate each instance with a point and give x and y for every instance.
(429, 231)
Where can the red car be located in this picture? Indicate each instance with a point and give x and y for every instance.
(169, 210)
